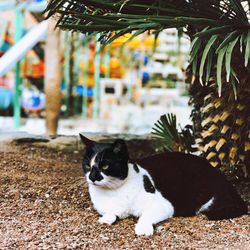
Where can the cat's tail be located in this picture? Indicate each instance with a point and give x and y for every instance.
(226, 212)
(225, 208)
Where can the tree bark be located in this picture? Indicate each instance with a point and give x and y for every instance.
(52, 78)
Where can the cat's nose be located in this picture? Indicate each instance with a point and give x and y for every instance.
(95, 174)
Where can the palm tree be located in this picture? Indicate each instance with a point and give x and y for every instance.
(219, 69)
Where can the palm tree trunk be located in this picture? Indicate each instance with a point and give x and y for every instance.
(52, 78)
(222, 123)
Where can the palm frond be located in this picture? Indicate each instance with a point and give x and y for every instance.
(205, 53)
(226, 20)
(229, 55)
(166, 134)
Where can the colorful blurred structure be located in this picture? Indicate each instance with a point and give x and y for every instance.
(11, 52)
(142, 71)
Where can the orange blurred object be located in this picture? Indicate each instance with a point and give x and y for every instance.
(149, 41)
(120, 40)
(115, 68)
(135, 43)
(32, 66)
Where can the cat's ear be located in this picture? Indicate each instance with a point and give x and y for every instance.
(87, 142)
(119, 146)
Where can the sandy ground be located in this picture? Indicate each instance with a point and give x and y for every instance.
(44, 204)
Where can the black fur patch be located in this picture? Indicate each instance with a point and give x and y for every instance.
(148, 186)
(136, 168)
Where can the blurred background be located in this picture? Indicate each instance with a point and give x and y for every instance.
(123, 88)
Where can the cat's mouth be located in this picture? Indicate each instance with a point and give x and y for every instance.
(108, 182)
(95, 183)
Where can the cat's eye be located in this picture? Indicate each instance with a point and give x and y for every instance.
(105, 167)
(87, 166)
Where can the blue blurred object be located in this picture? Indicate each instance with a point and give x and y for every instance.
(146, 59)
(5, 46)
(145, 77)
(80, 91)
(137, 55)
(35, 101)
(6, 98)
(32, 100)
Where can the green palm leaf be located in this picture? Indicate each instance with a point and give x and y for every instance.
(234, 87)
(205, 52)
(219, 68)
(195, 45)
(229, 55)
(214, 31)
(165, 132)
(227, 20)
(228, 38)
(247, 52)
(209, 64)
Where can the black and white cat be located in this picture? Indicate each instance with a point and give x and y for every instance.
(155, 188)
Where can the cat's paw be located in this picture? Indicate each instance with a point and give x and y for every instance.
(107, 219)
(144, 229)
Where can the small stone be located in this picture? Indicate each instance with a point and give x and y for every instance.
(160, 228)
(47, 195)
(104, 237)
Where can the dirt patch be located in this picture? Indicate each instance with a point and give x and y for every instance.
(44, 204)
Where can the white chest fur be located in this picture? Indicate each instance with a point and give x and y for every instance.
(131, 198)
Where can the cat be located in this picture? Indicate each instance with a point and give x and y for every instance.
(155, 188)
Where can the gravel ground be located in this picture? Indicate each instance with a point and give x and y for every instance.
(44, 204)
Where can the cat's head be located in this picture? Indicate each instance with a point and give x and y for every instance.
(105, 164)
